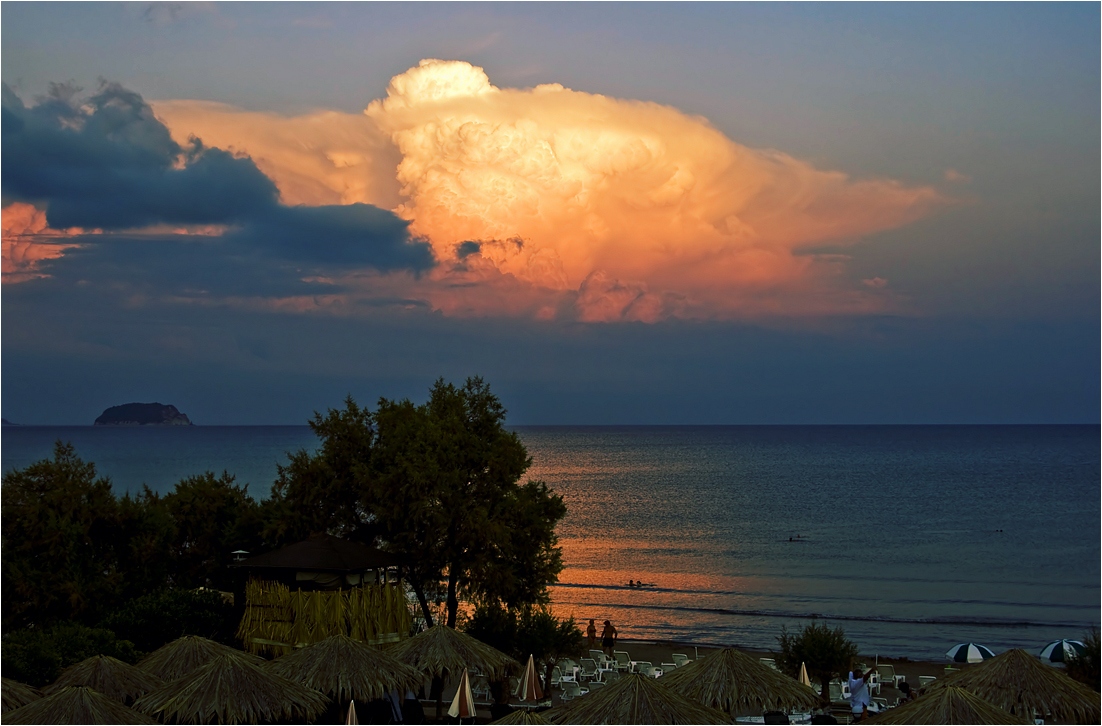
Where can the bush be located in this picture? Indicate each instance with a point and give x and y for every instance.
(826, 652)
(37, 657)
(1084, 668)
(152, 620)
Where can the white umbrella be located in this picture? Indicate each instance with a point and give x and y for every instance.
(529, 687)
(803, 675)
(463, 704)
(351, 714)
(969, 653)
(1061, 651)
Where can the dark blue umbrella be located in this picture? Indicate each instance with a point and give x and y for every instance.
(969, 653)
(1061, 651)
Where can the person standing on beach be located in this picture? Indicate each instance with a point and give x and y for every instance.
(858, 694)
(591, 633)
(608, 638)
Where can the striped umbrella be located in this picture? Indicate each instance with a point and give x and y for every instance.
(529, 687)
(463, 703)
(1061, 651)
(969, 653)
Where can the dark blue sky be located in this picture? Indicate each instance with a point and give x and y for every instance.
(980, 307)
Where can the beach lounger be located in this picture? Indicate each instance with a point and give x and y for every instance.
(623, 660)
(588, 670)
(595, 685)
(924, 681)
(571, 690)
(768, 662)
(610, 676)
(888, 675)
(598, 655)
(556, 677)
(668, 667)
(681, 659)
(647, 669)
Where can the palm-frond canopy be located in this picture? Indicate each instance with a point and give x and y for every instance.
(1018, 682)
(16, 694)
(346, 669)
(441, 649)
(949, 705)
(522, 717)
(73, 705)
(738, 684)
(635, 699)
(109, 677)
(184, 655)
(232, 689)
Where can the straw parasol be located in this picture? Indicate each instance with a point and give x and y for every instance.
(635, 699)
(109, 677)
(442, 649)
(231, 688)
(346, 669)
(75, 704)
(1018, 682)
(16, 694)
(523, 717)
(736, 683)
(950, 706)
(183, 655)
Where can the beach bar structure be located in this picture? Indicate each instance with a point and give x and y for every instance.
(322, 586)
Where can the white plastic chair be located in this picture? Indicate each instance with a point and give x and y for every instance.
(768, 662)
(681, 659)
(623, 660)
(924, 681)
(571, 690)
(667, 667)
(588, 669)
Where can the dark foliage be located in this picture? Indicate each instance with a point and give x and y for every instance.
(826, 651)
(1085, 668)
(153, 620)
(37, 657)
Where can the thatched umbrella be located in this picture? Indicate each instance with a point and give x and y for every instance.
(523, 717)
(76, 704)
(734, 682)
(949, 705)
(347, 669)
(1018, 682)
(183, 655)
(232, 689)
(441, 650)
(108, 676)
(635, 699)
(16, 694)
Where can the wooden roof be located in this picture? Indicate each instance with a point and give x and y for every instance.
(323, 553)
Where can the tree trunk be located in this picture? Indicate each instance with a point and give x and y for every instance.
(453, 599)
(420, 592)
(438, 694)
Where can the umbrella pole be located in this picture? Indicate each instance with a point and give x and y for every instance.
(438, 688)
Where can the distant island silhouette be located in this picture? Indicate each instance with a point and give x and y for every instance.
(143, 414)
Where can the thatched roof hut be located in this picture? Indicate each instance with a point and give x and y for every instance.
(232, 689)
(75, 705)
(522, 717)
(635, 699)
(441, 649)
(949, 705)
(108, 676)
(1018, 682)
(345, 669)
(183, 655)
(16, 694)
(738, 684)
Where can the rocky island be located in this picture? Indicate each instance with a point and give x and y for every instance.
(143, 414)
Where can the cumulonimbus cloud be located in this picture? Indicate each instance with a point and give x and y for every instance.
(555, 203)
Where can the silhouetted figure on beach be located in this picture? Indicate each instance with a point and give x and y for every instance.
(591, 633)
(858, 694)
(608, 638)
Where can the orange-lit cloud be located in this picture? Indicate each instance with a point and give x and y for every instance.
(579, 205)
(27, 241)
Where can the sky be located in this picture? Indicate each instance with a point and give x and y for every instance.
(614, 213)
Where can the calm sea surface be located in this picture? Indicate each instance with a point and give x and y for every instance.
(910, 538)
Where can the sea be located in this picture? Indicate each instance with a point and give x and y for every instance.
(910, 538)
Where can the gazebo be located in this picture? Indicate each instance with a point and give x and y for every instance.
(635, 699)
(322, 586)
(108, 676)
(948, 706)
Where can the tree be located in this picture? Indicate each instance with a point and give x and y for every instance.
(444, 490)
(826, 652)
(37, 656)
(59, 541)
(437, 483)
(157, 618)
(211, 518)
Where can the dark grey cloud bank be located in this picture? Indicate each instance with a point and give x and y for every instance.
(106, 162)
